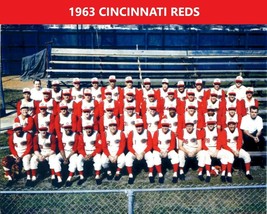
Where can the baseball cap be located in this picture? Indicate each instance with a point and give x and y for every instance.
(23, 106)
(43, 127)
(139, 122)
(165, 80)
(210, 107)
(153, 108)
(231, 107)
(109, 108)
(213, 92)
(239, 79)
(107, 91)
(67, 125)
(66, 91)
(147, 81)
(129, 106)
(164, 122)
(94, 80)
(180, 83)
(55, 82)
(231, 93)
(191, 106)
(16, 126)
(87, 91)
(112, 78)
(112, 122)
(198, 82)
(189, 121)
(63, 105)
(42, 106)
(217, 81)
(151, 93)
(231, 120)
(190, 91)
(250, 89)
(46, 90)
(130, 93)
(211, 121)
(128, 79)
(86, 110)
(88, 124)
(26, 90)
(170, 91)
(76, 80)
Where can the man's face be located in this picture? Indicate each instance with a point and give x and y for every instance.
(43, 111)
(211, 127)
(110, 113)
(95, 85)
(216, 86)
(253, 113)
(191, 97)
(171, 96)
(189, 127)
(231, 112)
(238, 84)
(130, 111)
(151, 98)
(77, 85)
(113, 128)
(129, 84)
(249, 95)
(56, 88)
(213, 99)
(27, 96)
(172, 112)
(37, 85)
(165, 86)
(231, 126)
(18, 131)
(86, 114)
(89, 131)
(43, 133)
(68, 131)
(147, 86)
(139, 129)
(199, 87)
(165, 129)
(88, 97)
(112, 84)
(211, 112)
(153, 112)
(64, 111)
(66, 97)
(130, 98)
(181, 89)
(191, 111)
(231, 97)
(46, 96)
(24, 111)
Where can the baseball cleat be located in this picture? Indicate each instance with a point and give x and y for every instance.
(249, 176)
(161, 180)
(98, 181)
(229, 179)
(207, 179)
(68, 184)
(117, 177)
(151, 179)
(182, 177)
(130, 180)
(174, 180)
(200, 177)
(223, 179)
(80, 182)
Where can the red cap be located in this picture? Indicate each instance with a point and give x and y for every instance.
(139, 122)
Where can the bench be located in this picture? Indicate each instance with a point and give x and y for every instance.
(157, 64)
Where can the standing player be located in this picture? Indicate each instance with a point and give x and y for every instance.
(77, 90)
(238, 88)
(127, 120)
(164, 144)
(36, 91)
(89, 148)
(115, 90)
(151, 120)
(20, 146)
(250, 100)
(139, 145)
(97, 91)
(52, 105)
(180, 92)
(162, 92)
(200, 92)
(67, 101)
(146, 89)
(56, 91)
(113, 145)
(217, 88)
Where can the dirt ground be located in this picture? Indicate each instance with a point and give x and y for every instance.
(14, 82)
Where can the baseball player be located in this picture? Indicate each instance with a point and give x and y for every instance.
(173, 118)
(250, 100)
(152, 101)
(211, 143)
(113, 145)
(232, 141)
(231, 100)
(139, 144)
(109, 102)
(44, 117)
(20, 146)
(77, 90)
(52, 105)
(180, 92)
(25, 119)
(189, 140)
(200, 92)
(162, 92)
(115, 90)
(67, 145)
(85, 118)
(217, 87)
(151, 120)
(64, 117)
(87, 103)
(213, 101)
(146, 89)
(97, 91)
(130, 88)
(56, 91)
(232, 115)
(164, 144)
(170, 100)
(44, 146)
(67, 101)
(27, 101)
(211, 113)
(36, 91)
(130, 99)
(194, 116)
(127, 120)
(89, 148)
(105, 119)
(238, 88)
(191, 100)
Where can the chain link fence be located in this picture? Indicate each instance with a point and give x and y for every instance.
(216, 199)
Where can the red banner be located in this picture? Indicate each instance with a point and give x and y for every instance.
(133, 12)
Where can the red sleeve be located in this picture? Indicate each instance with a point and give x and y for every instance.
(242, 107)
(18, 107)
(173, 142)
(76, 140)
(116, 108)
(239, 140)
(52, 124)
(200, 109)
(81, 146)
(29, 145)
(149, 142)
(101, 125)
(36, 107)
(12, 146)
(35, 121)
(219, 140)
(180, 134)
(203, 139)
(118, 122)
(104, 145)
(121, 127)
(101, 109)
(53, 142)
(143, 108)
(122, 144)
(121, 107)
(30, 125)
(96, 109)
(181, 107)
(74, 122)
(256, 103)
(60, 142)
(57, 125)
(130, 142)
(79, 124)
(145, 121)
(55, 108)
(103, 93)
(200, 121)
(156, 141)
(98, 148)
(224, 141)
(35, 143)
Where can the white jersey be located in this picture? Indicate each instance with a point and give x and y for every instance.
(114, 92)
(191, 103)
(77, 95)
(129, 122)
(213, 118)
(68, 142)
(107, 120)
(231, 104)
(140, 141)
(45, 144)
(129, 90)
(49, 104)
(107, 104)
(89, 141)
(30, 106)
(146, 92)
(151, 104)
(23, 122)
(232, 118)
(36, 95)
(126, 103)
(69, 104)
(96, 94)
(164, 140)
(85, 120)
(181, 95)
(199, 94)
(173, 122)
(168, 103)
(163, 94)
(240, 92)
(193, 118)
(20, 143)
(232, 138)
(211, 137)
(57, 96)
(249, 103)
(152, 122)
(43, 120)
(215, 105)
(88, 105)
(113, 141)
(219, 93)
(190, 140)
(63, 120)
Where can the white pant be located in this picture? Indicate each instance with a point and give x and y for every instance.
(96, 159)
(223, 155)
(244, 155)
(51, 161)
(130, 157)
(172, 155)
(72, 162)
(120, 161)
(202, 156)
